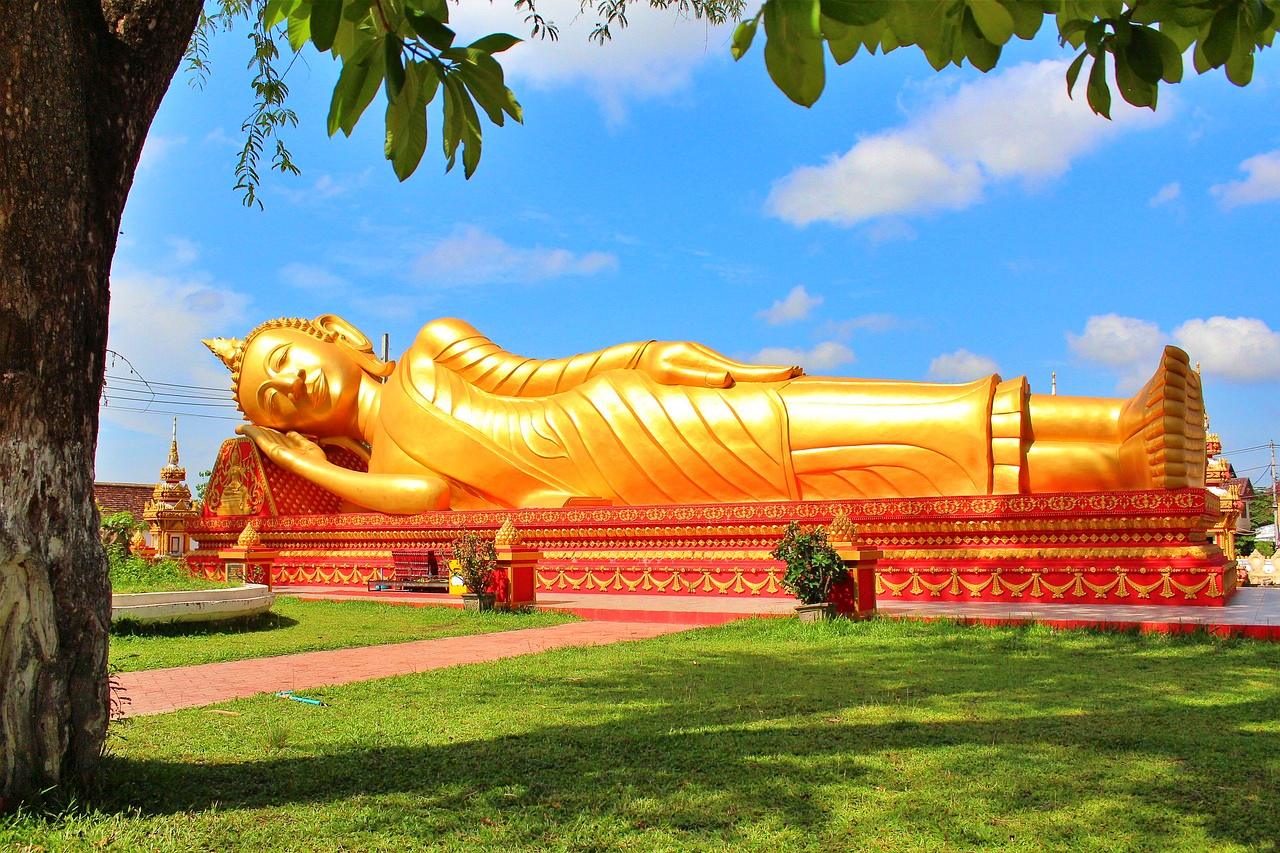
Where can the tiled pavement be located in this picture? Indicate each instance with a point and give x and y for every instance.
(159, 690)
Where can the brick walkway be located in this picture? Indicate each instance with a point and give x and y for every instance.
(156, 691)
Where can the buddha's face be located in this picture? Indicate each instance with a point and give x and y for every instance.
(292, 381)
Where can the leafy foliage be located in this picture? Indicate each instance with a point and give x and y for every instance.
(202, 484)
(813, 566)
(134, 574)
(407, 49)
(1142, 41)
(477, 560)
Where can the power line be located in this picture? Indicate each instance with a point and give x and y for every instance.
(119, 395)
(1244, 450)
(167, 412)
(115, 386)
(170, 384)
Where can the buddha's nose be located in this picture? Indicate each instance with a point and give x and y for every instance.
(298, 388)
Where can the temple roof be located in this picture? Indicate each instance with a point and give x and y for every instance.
(122, 497)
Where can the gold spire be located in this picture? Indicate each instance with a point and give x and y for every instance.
(841, 529)
(249, 537)
(173, 445)
(506, 535)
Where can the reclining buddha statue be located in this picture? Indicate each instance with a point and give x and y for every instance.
(460, 423)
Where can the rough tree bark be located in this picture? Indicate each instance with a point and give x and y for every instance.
(80, 81)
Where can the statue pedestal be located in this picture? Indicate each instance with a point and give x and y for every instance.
(855, 597)
(247, 564)
(515, 584)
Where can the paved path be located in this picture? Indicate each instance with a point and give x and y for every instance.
(1251, 606)
(156, 691)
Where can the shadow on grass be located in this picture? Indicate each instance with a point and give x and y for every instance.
(268, 621)
(706, 736)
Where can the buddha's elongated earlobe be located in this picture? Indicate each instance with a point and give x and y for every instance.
(356, 343)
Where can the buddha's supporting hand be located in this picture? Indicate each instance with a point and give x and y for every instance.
(401, 494)
(685, 363)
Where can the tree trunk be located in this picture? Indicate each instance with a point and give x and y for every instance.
(80, 81)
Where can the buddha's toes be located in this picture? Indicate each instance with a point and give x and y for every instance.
(1162, 427)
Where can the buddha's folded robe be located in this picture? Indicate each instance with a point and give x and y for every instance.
(619, 435)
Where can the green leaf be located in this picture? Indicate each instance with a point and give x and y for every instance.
(276, 11)
(1098, 91)
(325, 15)
(1027, 17)
(494, 43)
(392, 47)
(357, 84)
(471, 138)
(743, 35)
(1073, 71)
(299, 31)
(1133, 88)
(993, 20)
(1144, 56)
(982, 54)
(453, 121)
(483, 78)
(1222, 35)
(407, 127)
(430, 29)
(855, 13)
(793, 51)
(844, 42)
(1240, 63)
(1170, 56)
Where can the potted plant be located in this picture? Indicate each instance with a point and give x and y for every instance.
(477, 561)
(813, 567)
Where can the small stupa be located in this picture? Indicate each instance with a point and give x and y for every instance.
(171, 509)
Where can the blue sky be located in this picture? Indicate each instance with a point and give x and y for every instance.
(912, 225)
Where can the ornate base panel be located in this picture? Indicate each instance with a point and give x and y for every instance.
(1121, 547)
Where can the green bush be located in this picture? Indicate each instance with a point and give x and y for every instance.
(813, 566)
(130, 573)
(477, 559)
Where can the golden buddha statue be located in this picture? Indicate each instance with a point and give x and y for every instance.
(459, 422)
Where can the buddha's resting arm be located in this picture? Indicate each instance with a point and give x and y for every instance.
(397, 494)
(458, 346)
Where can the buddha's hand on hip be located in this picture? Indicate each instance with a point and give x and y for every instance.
(685, 363)
(286, 449)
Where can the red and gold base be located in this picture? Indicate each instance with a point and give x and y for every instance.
(1148, 547)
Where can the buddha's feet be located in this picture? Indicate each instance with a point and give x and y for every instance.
(1162, 428)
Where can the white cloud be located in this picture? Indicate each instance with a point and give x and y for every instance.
(185, 251)
(654, 55)
(1262, 183)
(961, 366)
(1166, 194)
(796, 305)
(1234, 349)
(824, 356)
(156, 147)
(865, 323)
(1242, 349)
(312, 277)
(1017, 124)
(1117, 341)
(471, 255)
(880, 176)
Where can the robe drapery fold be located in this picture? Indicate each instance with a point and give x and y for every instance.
(614, 433)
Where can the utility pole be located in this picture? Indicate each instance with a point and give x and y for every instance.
(1053, 383)
(386, 349)
(1275, 497)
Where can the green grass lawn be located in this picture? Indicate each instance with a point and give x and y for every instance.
(761, 735)
(303, 626)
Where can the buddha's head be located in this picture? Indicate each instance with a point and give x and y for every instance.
(301, 375)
